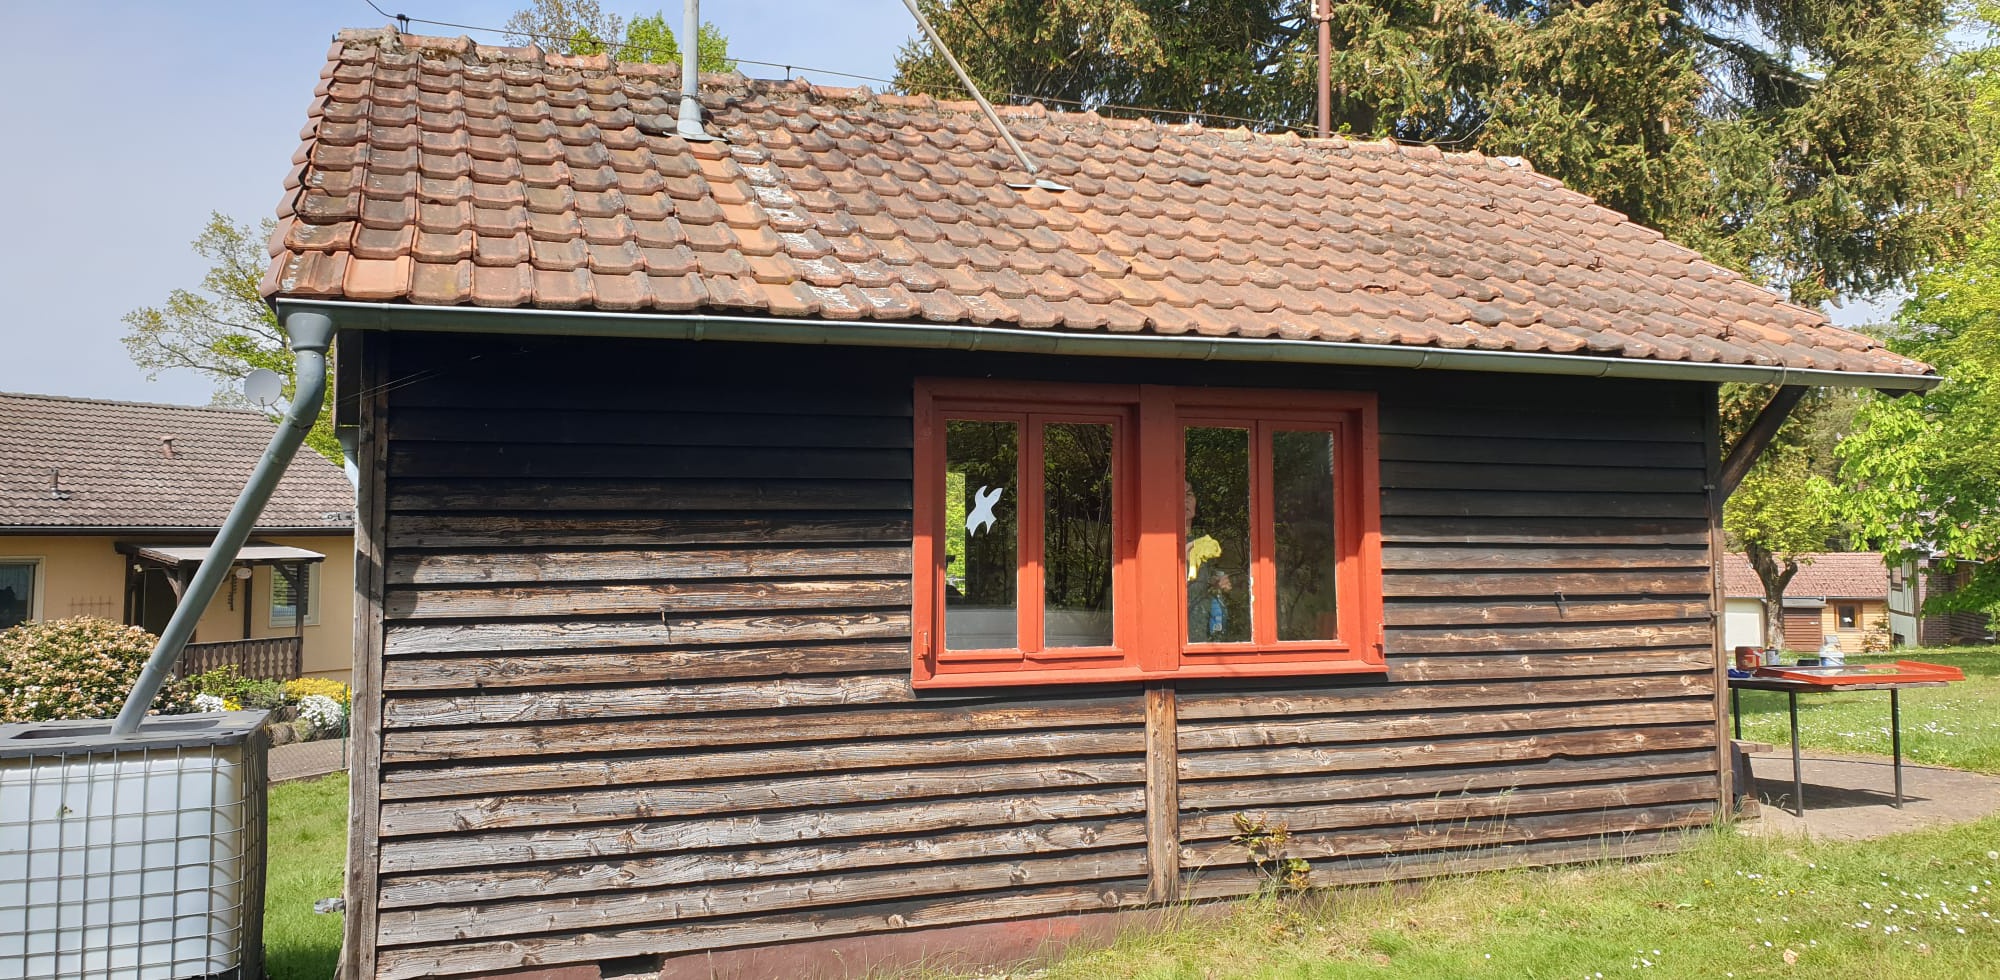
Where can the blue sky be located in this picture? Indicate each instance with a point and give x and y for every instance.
(130, 122)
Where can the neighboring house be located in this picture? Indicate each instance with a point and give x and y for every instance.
(106, 508)
(1839, 594)
(832, 535)
(1914, 583)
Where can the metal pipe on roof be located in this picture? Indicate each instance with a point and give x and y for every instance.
(311, 333)
(867, 333)
(688, 126)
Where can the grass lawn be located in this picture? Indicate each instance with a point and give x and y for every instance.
(308, 845)
(1917, 906)
(1956, 726)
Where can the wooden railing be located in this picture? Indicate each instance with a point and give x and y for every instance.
(276, 658)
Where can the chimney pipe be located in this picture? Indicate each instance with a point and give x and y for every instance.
(688, 126)
(1323, 12)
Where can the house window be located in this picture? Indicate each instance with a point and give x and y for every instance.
(1848, 615)
(285, 605)
(1053, 521)
(19, 580)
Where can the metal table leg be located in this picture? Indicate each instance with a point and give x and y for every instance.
(1736, 710)
(1798, 779)
(1896, 741)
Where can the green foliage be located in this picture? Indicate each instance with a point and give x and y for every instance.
(583, 27)
(1265, 840)
(1822, 146)
(225, 682)
(650, 39)
(308, 847)
(75, 669)
(225, 330)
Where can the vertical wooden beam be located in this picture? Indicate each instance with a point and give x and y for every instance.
(1718, 602)
(357, 955)
(1163, 794)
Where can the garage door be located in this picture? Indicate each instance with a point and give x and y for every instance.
(1802, 629)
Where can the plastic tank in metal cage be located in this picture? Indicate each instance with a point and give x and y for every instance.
(138, 858)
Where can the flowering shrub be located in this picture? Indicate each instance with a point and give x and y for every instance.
(209, 702)
(76, 668)
(299, 689)
(322, 713)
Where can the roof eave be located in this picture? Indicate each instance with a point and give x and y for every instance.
(352, 315)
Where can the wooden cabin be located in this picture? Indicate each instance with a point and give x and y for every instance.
(836, 542)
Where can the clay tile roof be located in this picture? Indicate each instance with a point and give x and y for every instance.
(78, 463)
(436, 171)
(1826, 575)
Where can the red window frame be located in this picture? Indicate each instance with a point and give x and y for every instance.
(1148, 570)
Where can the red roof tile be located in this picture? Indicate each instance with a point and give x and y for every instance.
(561, 181)
(1825, 575)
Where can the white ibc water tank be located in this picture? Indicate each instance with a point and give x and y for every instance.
(137, 858)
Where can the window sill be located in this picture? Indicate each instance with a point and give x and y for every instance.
(955, 680)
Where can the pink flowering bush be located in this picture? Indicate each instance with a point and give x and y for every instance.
(75, 668)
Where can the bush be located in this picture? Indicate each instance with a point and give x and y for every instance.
(263, 695)
(224, 682)
(301, 688)
(76, 668)
(322, 715)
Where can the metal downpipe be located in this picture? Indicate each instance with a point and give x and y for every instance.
(311, 333)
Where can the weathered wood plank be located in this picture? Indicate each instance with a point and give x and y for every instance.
(484, 461)
(586, 530)
(681, 800)
(1468, 667)
(655, 734)
(570, 773)
(1521, 449)
(1561, 531)
(527, 391)
(1493, 639)
(1318, 817)
(730, 423)
(500, 955)
(1238, 795)
(1541, 556)
(1496, 476)
(1238, 733)
(1416, 502)
(364, 798)
(656, 495)
(1298, 760)
(522, 707)
(620, 666)
(496, 884)
(643, 598)
(608, 841)
(1550, 614)
(552, 913)
(650, 564)
(1162, 794)
(1294, 701)
(1603, 422)
(1691, 582)
(501, 637)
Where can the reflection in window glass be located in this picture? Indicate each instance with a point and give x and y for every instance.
(1218, 535)
(980, 536)
(17, 592)
(1302, 505)
(1077, 542)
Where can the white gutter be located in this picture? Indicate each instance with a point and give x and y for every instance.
(349, 315)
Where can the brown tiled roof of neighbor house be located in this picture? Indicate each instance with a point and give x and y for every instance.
(1825, 575)
(435, 171)
(75, 463)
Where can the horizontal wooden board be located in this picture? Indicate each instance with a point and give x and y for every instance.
(449, 888)
(1511, 557)
(1527, 449)
(1293, 760)
(1549, 614)
(1599, 422)
(1498, 476)
(757, 793)
(727, 897)
(621, 666)
(1237, 733)
(1544, 530)
(1446, 809)
(655, 530)
(654, 734)
(1296, 700)
(670, 599)
(610, 841)
(486, 461)
(642, 700)
(527, 389)
(648, 564)
(1495, 639)
(409, 782)
(499, 955)
(1691, 582)
(1237, 795)
(657, 631)
(1502, 666)
(1414, 502)
(731, 423)
(492, 495)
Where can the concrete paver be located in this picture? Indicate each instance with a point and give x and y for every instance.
(1851, 797)
(307, 760)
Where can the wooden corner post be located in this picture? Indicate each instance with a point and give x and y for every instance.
(1718, 603)
(1163, 794)
(364, 764)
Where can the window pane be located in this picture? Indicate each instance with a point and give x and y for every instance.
(1077, 541)
(17, 592)
(1302, 505)
(980, 535)
(1218, 535)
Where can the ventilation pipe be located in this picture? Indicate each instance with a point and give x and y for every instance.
(688, 126)
(311, 334)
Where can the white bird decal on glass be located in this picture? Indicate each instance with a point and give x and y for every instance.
(982, 509)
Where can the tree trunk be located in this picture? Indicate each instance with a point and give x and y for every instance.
(1774, 573)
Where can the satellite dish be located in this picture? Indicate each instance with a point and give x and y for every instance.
(265, 388)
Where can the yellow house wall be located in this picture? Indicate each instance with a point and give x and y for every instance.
(84, 575)
(1852, 640)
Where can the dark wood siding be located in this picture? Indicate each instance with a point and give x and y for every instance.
(646, 655)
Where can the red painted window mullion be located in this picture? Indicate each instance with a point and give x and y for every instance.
(1029, 595)
(1263, 540)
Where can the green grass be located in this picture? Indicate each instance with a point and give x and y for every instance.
(307, 849)
(1728, 906)
(1956, 726)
